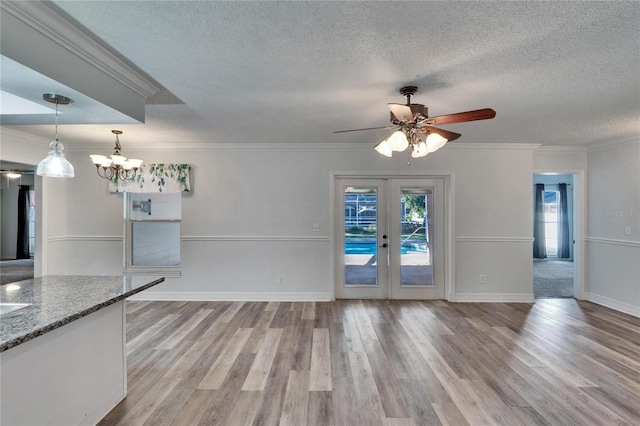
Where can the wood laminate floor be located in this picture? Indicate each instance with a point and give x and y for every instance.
(555, 362)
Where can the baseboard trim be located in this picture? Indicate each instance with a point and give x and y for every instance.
(613, 304)
(207, 296)
(495, 297)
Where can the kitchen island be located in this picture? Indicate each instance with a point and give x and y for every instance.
(63, 348)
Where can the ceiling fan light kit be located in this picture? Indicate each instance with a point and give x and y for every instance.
(415, 129)
(54, 164)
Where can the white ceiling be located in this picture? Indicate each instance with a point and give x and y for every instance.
(556, 73)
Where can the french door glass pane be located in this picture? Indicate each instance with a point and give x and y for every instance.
(416, 246)
(360, 236)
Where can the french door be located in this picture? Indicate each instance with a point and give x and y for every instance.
(389, 238)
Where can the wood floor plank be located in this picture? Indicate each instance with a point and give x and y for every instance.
(387, 384)
(417, 400)
(449, 414)
(219, 370)
(232, 311)
(259, 331)
(219, 408)
(150, 333)
(302, 346)
(270, 407)
(191, 413)
(394, 421)
(367, 332)
(144, 409)
(257, 378)
(308, 311)
(296, 399)
(365, 362)
(320, 411)
(320, 361)
(244, 408)
(180, 333)
(345, 404)
(368, 397)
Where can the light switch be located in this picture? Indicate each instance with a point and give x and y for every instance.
(627, 230)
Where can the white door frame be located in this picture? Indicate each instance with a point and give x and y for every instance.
(449, 219)
(579, 225)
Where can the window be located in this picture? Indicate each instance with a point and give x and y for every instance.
(152, 230)
(551, 199)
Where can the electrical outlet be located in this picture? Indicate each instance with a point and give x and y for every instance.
(483, 279)
(280, 279)
(316, 227)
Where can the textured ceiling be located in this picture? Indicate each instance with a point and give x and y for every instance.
(557, 73)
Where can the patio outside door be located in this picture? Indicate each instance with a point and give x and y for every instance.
(389, 238)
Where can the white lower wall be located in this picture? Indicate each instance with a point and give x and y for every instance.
(506, 264)
(247, 268)
(613, 237)
(614, 279)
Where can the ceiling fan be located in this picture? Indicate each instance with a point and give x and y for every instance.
(415, 128)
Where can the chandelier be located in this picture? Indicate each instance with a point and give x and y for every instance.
(118, 167)
(421, 140)
(54, 164)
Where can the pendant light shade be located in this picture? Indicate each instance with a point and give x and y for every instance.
(55, 165)
(435, 141)
(398, 141)
(384, 148)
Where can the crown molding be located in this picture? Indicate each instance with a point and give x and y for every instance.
(208, 146)
(49, 20)
(20, 147)
(285, 146)
(491, 146)
(557, 149)
(22, 137)
(615, 144)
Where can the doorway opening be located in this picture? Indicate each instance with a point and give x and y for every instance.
(18, 216)
(554, 243)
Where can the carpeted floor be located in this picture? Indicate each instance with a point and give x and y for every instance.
(552, 278)
(15, 270)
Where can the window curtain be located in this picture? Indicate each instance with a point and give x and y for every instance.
(22, 246)
(564, 248)
(151, 178)
(539, 246)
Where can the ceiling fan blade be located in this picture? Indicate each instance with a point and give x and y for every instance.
(401, 112)
(366, 128)
(450, 136)
(461, 117)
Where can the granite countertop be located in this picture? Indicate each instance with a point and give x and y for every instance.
(60, 299)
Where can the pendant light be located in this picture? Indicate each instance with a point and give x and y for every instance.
(55, 165)
(118, 167)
